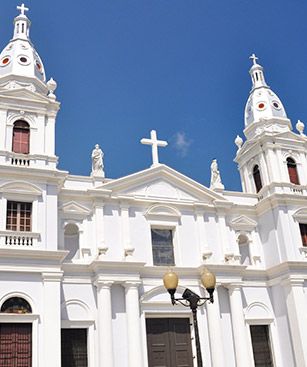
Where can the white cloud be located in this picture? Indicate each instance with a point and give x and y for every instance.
(181, 143)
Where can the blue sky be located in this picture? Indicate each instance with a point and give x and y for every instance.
(125, 67)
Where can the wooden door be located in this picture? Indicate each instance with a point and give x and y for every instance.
(169, 342)
(74, 347)
(15, 345)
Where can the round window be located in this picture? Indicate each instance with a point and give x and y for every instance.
(5, 61)
(261, 106)
(276, 105)
(39, 66)
(23, 60)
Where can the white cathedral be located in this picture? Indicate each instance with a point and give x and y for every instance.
(82, 257)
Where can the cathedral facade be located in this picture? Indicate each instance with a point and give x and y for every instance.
(82, 257)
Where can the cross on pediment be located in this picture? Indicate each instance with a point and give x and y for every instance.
(155, 143)
(22, 9)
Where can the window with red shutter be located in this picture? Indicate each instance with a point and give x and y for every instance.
(303, 229)
(21, 137)
(257, 178)
(292, 171)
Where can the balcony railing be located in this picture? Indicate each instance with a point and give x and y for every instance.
(18, 239)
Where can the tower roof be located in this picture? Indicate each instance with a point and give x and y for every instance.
(262, 103)
(19, 57)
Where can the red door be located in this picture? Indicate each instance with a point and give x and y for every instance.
(15, 345)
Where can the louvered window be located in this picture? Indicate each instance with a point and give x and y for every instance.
(74, 347)
(292, 170)
(261, 346)
(257, 178)
(21, 137)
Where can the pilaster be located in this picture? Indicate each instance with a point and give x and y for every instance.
(135, 355)
(52, 319)
(243, 359)
(105, 334)
(296, 307)
(215, 332)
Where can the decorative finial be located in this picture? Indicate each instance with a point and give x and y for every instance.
(51, 85)
(216, 182)
(22, 9)
(254, 58)
(300, 126)
(155, 143)
(238, 142)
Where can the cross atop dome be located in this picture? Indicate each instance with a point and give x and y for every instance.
(22, 9)
(254, 58)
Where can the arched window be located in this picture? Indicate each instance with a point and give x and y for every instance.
(71, 241)
(21, 137)
(292, 171)
(16, 305)
(243, 243)
(257, 178)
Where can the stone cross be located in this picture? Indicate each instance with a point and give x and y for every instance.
(155, 143)
(22, 9)
(254, 58)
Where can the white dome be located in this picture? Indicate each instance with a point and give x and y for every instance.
(19, 57)
(262, 103)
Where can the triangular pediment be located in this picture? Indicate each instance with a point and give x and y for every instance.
(162, 183)
(243, 223)
(23, 93)
(21, 188)
(301, 215)
(73, 209)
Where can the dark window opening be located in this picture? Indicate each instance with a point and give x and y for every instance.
(74, 347)
(261, 346)
(162, 246)
(257, 178)
(16, 305)
(292, 170)
(303, 229)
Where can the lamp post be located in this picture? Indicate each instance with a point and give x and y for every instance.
(191, 299)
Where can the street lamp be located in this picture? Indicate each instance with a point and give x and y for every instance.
(191, 299)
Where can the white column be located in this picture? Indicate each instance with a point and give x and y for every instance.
(3, 120)
(135, 355)
(202, 240)
(125, 231)
(50, 135)
(105, 323)
(243, 359)
(302, 168)
(264, 170)
(223, 234)
(52, 319)
(99, 224)
(215, 332)
(296, 307)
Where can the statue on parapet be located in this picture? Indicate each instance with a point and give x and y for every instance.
(216, 182)
(97, 162)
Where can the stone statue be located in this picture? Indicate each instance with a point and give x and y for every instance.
(97, 162)
(216, 182)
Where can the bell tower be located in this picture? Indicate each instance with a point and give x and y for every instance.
(273, 157)
(28, 106)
